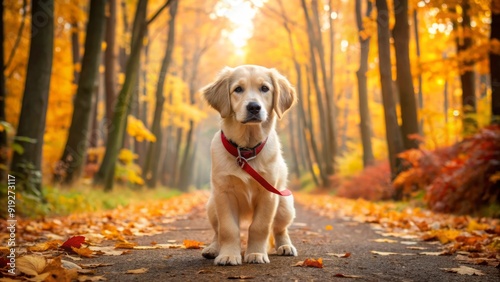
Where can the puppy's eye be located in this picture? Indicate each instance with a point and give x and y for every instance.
(238, 89)
(264, 88)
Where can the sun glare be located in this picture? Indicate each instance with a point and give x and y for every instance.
(240, 13)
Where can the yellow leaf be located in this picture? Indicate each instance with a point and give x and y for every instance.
(31, 264)
(41, 247)
(328, 227)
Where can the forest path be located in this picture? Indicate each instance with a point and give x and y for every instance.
(312, 240)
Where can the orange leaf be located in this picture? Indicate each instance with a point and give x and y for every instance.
(73, 242)
(84, 252)
(311, 263)
(125, 245)
(41, 247)
(192, 244)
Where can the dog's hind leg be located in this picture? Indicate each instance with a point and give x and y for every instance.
(284, 217)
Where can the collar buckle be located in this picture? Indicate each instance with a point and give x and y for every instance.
(245, 155)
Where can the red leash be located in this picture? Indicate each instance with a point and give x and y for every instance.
(243, 155)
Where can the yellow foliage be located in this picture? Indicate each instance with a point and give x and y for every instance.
(136, 129)
(127, 156)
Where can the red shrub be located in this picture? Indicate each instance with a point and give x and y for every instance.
(460, 178)
(374, 183)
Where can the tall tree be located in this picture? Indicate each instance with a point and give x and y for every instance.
(26, 162)
(3, 130)
(110, 60)
(364, 110)
(151, 164)
(105, 175)
(392, 131)
(467, 76)
(420, 80)
(495, 62)
(76, 146)
(401, 35)
(75, 46)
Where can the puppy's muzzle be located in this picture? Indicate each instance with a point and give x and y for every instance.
(253, 112)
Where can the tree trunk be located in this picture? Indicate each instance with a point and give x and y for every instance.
(3, 133)
(154, 148)
(417, 48)
(26, 164)
(75, 50)
(393, 134)
(467, 77)
(106, 171)
(331, 111)
(71, 162)
(495, 63)
(175, 158)
(365, 124)
(401, 34)
(321, 111)
(110, 61)
(294, 150)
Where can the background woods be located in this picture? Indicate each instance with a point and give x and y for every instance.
(396, 98)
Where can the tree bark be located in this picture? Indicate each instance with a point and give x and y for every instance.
(110, 61)
(26, 164)
(105, 175)
(153, 152)
(70, 165)
(401, 35)
(495, 63)
(394, 139)
(467, 76)
(420, 81)
(365, 124)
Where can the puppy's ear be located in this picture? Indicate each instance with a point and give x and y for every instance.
(284, 93)
(217, 93)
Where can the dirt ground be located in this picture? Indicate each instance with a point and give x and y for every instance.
(312, 240)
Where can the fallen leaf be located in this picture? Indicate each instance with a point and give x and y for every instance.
(416, 248)
(125, 245)
(384, 240)
(57, 273)
(107, 251)
(311, 263)
(408, 243)
(70, 265)
(345, 255)
(328, 227)
(340, 275)
(73, 242)
(31, 264)
(192, 244)
(39, 278)
(433, 253)
(86, 271)
(204, 271)
(84, 252)
(95, 265)
(391, 253)
(243, 277)
(137, 271)
(84, 278)
(41, 247)
(464, 270)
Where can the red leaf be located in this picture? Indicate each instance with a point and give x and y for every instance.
(75, 242)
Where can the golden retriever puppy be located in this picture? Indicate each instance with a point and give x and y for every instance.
(249, 99)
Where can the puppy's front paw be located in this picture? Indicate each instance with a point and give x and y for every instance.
(227, 260)
(287, 250)
(257, 258)
(210, 252)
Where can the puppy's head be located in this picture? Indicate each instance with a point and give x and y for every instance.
(250, 93)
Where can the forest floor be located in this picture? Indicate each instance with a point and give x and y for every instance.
(146, 244)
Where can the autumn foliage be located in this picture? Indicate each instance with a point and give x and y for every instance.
(460, 178)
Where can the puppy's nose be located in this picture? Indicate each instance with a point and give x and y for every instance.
(253, 108)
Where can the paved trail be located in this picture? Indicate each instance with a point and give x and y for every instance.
(312, 241)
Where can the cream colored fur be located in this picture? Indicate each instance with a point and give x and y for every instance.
(235, 196)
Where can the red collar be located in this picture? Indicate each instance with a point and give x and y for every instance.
(243, 155)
